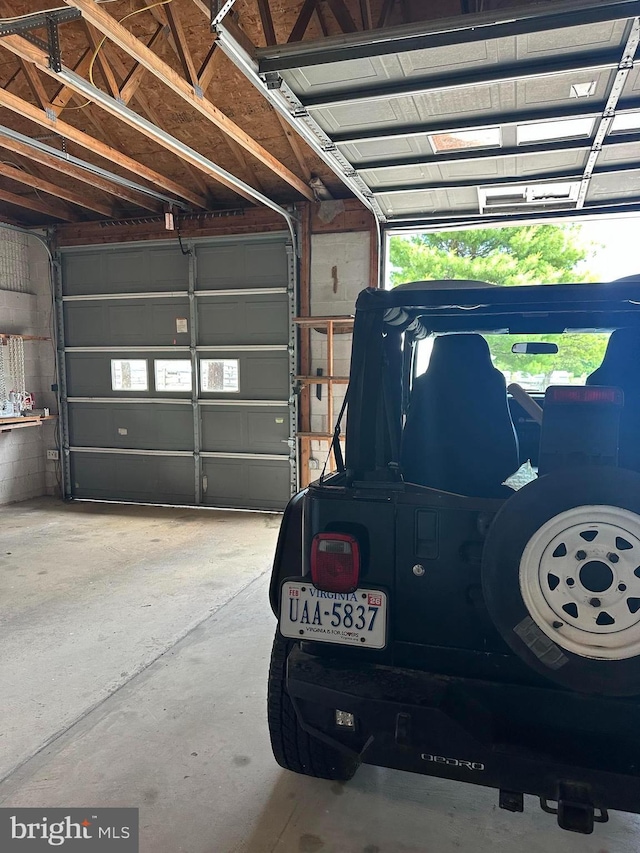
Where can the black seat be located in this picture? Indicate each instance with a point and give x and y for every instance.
(621, 368)
(459, 436)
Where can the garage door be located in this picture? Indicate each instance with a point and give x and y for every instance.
(521, 112)
(178, 365)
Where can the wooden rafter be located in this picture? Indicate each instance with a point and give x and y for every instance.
(35, 84)
(150, 112)
(365, 12)
(49, 210)
(72, 171)
(302, 21)
(141, 53)
(385, 13)
(107, 73)
(267, 21)
(23, 177)
(133, 79)
(182, 47)
(34, 54)
(209, 67)
(342, 16)
(322, 20)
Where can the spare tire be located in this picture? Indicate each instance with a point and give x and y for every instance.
(561, 578)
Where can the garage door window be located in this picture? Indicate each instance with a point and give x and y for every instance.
(173, 374)
(129, 374)
(220, 375)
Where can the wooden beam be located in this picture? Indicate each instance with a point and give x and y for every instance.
(72, 171)
(322, 20)
(182, 47)
(95, 40)
(204, 8)
(56, 191)
(170, 143)
(385, 13)
(267, 22)
(342, 16)
(34, 54)
(133, 79)
(35, 84)
(52, 211)
(139, 51)
(365, 12)
(294, 142)
(302, 22)
(151, 114)
(209, 66)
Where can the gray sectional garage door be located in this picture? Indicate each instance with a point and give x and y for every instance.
(178, 372)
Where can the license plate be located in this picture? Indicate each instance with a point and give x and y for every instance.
(348, 618)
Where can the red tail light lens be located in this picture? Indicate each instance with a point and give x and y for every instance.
(586, 394)
(335, 562)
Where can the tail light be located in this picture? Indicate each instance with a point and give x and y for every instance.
(584, 394)
(335, 562)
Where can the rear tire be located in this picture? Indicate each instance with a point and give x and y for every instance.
(292, 747)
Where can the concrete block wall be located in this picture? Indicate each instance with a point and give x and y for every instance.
(26, 308)
(349, 253)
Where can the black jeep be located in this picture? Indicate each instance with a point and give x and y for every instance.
(440, 615)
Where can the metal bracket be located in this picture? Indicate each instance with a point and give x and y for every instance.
(575, 811)
(53, 38)
(219, 10)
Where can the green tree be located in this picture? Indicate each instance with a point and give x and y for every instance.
(529, 254)
(523, 255)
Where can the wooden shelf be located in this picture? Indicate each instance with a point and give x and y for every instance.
(8, 424)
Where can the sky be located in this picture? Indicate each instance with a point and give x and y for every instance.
(620, 238)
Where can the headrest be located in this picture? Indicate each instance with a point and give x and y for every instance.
(468, 353)
(623, 351)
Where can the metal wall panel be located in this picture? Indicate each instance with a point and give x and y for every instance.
(228, 300)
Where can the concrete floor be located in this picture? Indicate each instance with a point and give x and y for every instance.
(135, 647)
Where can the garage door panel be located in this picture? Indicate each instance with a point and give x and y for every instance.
(261, 375)
(126, 477)
(261, 484)
(144, 427)
(236, 429)
(89, 374)
(243, 319)
(242, 264)
(124, 270)
(129, 322)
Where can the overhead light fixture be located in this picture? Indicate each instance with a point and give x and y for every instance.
(583, 90)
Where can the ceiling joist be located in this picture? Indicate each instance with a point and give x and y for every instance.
(32, 53)
(101, 19)
(23, 177)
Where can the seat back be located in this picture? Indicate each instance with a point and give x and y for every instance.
(620, 368)
(458, 435)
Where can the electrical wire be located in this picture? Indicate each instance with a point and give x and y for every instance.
(102, 41)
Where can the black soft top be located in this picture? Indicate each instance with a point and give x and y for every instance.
(479, 306)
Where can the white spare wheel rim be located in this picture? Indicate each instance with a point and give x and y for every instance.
(580, 581)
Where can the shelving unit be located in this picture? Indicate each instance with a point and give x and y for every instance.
(333, 326)
(8, 424)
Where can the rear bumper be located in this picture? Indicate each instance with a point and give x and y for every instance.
(522, 740)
